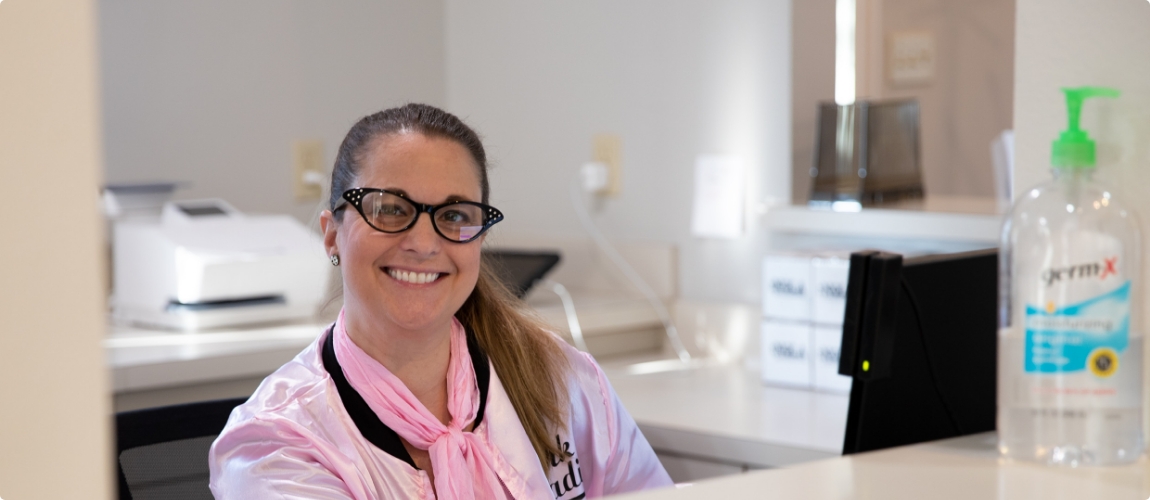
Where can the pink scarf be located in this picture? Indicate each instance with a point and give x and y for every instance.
(461, 460)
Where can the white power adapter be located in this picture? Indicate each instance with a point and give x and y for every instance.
(594, 175)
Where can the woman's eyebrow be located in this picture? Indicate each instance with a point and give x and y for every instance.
(457, 197)
(451, 198)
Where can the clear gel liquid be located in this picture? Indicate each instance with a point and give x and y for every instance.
(1067, 429)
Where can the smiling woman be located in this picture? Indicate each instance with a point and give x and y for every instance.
(433, 382)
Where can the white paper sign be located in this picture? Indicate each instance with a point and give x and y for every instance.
(718, 209)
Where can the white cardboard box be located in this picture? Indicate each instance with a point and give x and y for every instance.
(786, 348)
(787, 287)
(827, 347)
(829, 289)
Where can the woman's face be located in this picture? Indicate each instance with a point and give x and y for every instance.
(415, 280)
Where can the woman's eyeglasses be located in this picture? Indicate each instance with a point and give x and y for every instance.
(390, 212)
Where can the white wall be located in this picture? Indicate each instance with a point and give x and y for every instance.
(215, 92)
(54, 398)
(674, 79)
(1063, 43)
(217, 100)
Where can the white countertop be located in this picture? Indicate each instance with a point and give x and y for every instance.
(143, 359)
(725, 413)
(935, 218)
(960, 468)
(718, 412)
(146, 358)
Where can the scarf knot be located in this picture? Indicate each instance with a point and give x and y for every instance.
(462, 462)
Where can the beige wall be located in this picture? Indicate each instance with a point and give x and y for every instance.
(812, 81)
(54, 424)
(215, 92)
(1060, 43)
(965, 106)
(970, 100)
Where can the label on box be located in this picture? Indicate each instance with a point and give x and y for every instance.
(827, 347)
(786, 353)
(787, 287)
(830, 289)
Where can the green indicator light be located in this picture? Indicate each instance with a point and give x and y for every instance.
(866, 365)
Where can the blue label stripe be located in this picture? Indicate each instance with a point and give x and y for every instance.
(1061, 341)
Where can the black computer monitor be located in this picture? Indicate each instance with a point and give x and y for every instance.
(519, 270)
(920, 341)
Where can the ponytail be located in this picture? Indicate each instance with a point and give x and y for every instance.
(529, 361)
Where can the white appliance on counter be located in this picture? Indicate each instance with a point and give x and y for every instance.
(204, 264)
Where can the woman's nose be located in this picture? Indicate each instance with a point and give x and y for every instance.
(422, 237)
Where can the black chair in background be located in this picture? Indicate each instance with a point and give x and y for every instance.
(162, 453)
(520, 269)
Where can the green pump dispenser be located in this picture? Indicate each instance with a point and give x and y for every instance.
(1074, 148)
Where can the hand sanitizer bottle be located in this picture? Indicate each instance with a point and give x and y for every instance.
(1069, 341)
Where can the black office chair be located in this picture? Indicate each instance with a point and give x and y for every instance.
(162, 453)
(519, 270)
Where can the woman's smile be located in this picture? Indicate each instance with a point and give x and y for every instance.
(413, 277)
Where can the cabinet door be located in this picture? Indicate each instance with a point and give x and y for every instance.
(690, 469)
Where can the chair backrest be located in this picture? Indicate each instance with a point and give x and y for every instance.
(162, 453)
(519, 269)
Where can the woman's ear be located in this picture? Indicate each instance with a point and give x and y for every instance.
(329, 226)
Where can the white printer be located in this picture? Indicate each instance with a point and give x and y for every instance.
(204, 264)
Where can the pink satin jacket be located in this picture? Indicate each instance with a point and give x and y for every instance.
(295, 438)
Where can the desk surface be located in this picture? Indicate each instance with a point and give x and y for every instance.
(721, 413)
(966, 467)
(143, 359)
(148, 359)
(725, 413)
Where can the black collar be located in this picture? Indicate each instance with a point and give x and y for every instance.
(368, 423)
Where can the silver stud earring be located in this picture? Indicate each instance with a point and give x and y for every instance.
(335, 260)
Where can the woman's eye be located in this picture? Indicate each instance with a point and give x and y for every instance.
(390, 210)
(455, 217)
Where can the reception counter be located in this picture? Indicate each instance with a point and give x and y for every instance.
(720, 419)
(707, 420)
(960, 468)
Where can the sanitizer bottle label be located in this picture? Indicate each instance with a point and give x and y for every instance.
(1089, 336)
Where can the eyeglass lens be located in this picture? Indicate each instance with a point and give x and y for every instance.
(391, 213)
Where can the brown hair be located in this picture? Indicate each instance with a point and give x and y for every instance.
(528, 359)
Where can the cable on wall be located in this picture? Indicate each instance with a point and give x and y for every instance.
(627, 270)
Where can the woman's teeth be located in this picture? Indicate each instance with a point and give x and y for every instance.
(410, 277)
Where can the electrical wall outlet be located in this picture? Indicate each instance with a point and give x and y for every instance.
(911, 57)
(608, 150)
(308, 172)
